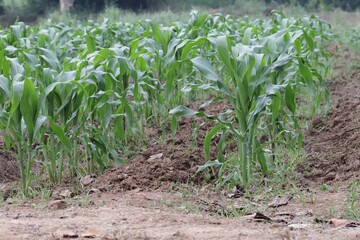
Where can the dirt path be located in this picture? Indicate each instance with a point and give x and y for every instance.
(120, 219)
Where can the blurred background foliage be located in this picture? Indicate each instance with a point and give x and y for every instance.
(31, 10)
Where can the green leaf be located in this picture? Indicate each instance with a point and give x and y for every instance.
(209, 164)
(29, 107)
(31, 60)
(183, 111)
(305, 72)
(5, 85)
(16, 95)
(224, 53)
(290, 98)
(309, 41)
(261, 158)
(50, 58)
(90, 43)
(298, 45)
(209, 136)
(39, 123)
(247, 36)
(16, 68)
(205, 67)
(159, 36)
(174, 125)
(59, 132)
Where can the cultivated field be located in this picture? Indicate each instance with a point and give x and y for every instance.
(215, 128)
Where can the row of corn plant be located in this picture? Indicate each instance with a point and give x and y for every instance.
(260, 77)
(73, 97)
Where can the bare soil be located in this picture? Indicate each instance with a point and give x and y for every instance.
(175, 159)
(157, 195)
(146, 216)
(334, 141)
(9, 167)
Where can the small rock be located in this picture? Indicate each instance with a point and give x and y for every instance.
(69, 234)
(67, 194)
(93, 190)
(8, 193)
(152, 158)
(56, 195)
(280, 201)
(298, 226)
(90, 234)
(57, 205)
(343, 223)
(87, 180)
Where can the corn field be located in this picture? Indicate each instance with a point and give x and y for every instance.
(74, 96)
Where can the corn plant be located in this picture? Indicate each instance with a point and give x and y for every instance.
(74, 97)
(260, 81)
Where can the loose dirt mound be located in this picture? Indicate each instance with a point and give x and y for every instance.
(176, 159)
(9, 168)
(334, 142)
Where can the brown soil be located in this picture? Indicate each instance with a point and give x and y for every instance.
(334, 141)
(9, 167)
(174, 160)
(149, 216)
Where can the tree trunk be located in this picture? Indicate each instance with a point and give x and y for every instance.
(65, 5)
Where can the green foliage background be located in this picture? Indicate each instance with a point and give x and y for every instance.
(36, 7)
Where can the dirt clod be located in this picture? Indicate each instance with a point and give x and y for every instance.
(163, 163)
(87, 180)
(57, 205)
(280, 201)
(67, 194)
(9, 167)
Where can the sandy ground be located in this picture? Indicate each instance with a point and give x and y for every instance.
(142, 215)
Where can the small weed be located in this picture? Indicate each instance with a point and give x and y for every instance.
(324, 187)
(312, 198)
(330, 212)
(165, 202)
(184, 194)
(190, 207)
(17, 199)
(84, 201)
(1, 199)
(352, 208)
(302, 199)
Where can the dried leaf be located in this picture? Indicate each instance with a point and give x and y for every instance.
(343, 223)
(155, 157)
(258, 217)
(280, 201)
(93, 190)
(90, 234)
(70, 234)
(262, 217)
(299, 226)
(221, 202)
(57, 205)
(236, 192)
(283, 217)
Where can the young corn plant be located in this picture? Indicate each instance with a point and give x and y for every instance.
(73, 97)
(260, 86)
